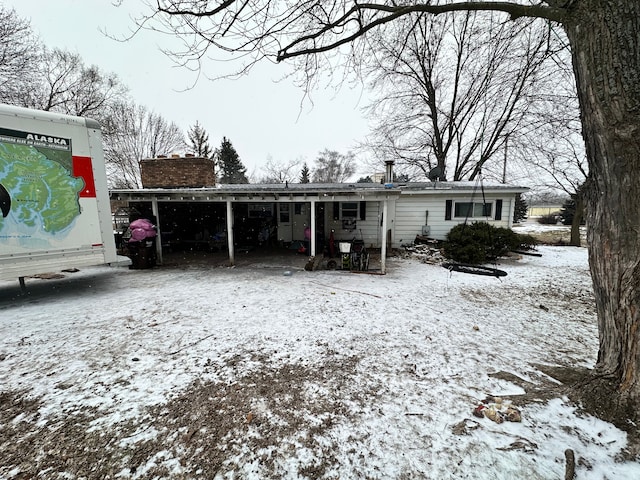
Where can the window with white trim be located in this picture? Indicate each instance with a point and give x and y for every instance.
(473, 209)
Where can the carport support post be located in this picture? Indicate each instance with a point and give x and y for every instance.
(156, 213)
(383, 249)
(313, 228)
(230, 233)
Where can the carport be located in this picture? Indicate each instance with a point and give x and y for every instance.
(326, 207)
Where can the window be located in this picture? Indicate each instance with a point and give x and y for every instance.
(349, 210)
(284, 213)
(259, 210)
(473, 210)
(353, 210)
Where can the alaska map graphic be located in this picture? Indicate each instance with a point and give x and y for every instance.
(37, 190)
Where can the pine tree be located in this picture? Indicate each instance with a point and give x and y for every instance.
(305, 173)
(199, 141)
(568, 211)
(521, 209)
(229, 164)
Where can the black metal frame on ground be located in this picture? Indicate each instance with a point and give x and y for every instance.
(474, 269)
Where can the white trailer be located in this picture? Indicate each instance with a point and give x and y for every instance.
(54, 202)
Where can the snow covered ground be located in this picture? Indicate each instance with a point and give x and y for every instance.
(271, 371)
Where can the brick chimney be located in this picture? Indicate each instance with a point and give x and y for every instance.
(177, 172)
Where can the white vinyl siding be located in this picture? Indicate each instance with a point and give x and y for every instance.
(367, 229)
(411, 215)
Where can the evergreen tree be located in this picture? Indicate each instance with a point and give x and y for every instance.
(366, 179)
(568, 211)
(231, 168)
(397, 178)
(305, 173)
(199, 141)
(521, 209)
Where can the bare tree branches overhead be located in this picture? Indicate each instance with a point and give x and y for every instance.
(458, 118)
(307, 31)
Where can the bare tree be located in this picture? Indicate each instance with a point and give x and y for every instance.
(452, 89)
(333, 167)
(566, 167)
(549, 148)
(132, 134)
(19, 56)
(279, 172)
(65, 84)
(601, 35)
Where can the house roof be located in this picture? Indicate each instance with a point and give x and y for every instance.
(458, 187)
(321, 191)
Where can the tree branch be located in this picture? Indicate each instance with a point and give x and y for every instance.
(392, 12)
(173, 10)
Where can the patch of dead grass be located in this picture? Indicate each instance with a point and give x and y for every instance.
(209, 428)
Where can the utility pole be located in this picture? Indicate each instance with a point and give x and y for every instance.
(504, 164)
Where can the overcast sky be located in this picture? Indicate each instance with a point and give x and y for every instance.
(260, 115)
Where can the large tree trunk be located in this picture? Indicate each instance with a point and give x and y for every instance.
(605, 42)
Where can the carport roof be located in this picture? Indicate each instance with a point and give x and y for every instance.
(263, 192)
(305, 191)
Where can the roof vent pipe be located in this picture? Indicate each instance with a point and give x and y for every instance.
(388, 177)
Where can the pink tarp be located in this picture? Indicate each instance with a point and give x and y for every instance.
(141, 229)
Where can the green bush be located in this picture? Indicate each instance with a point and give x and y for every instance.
(525, 242)
(480, 242)
(549, 219)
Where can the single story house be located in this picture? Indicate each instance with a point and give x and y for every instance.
(383, 216)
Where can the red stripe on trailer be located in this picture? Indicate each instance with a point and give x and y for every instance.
(82, 168)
